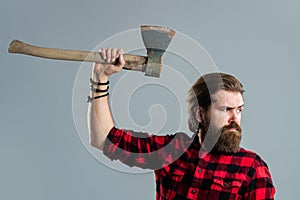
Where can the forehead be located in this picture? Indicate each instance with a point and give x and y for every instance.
(227, 98)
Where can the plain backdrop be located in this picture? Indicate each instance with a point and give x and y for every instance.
(42, 155)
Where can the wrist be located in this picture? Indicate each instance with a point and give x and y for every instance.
(98, 89)
(100, 78)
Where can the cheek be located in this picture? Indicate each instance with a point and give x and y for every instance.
(239, 120)
(219, 119)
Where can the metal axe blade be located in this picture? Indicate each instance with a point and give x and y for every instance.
(156, 40)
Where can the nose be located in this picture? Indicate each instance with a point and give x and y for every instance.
(234, 116)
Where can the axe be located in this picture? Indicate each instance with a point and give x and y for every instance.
(156, 40)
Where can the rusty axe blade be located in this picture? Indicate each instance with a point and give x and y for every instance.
(156, 40)
(151, 65)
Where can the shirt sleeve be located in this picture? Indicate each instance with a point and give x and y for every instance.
(142, 149)
(261, 186)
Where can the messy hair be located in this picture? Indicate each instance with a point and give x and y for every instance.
(200, 93)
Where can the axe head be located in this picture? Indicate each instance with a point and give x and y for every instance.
(156, 40)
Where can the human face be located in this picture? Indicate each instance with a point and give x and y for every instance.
(222, 121)
(226, 107)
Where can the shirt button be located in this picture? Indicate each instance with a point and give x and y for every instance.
(193, 191)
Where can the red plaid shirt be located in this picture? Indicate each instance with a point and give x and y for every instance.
(182, 174)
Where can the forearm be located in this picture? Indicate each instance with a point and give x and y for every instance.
(100, 120)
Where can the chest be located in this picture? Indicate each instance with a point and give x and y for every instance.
(212, 177)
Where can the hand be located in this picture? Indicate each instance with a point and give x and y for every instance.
(103, 71)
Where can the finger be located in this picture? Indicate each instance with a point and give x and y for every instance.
(120, 56)
(120, 52)
(113, 54)
(103, 53)
(108, 55)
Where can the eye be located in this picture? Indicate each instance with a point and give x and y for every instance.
(239, 110)
(224, 109)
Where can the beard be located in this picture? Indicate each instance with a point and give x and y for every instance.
(225, 140)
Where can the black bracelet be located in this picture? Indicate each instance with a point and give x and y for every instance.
(98, 83)
(98, 90)
(90, 99)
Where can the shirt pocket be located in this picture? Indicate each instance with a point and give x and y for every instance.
(228, 187)
(171, 183)
(177, 175)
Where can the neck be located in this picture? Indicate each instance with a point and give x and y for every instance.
(199, 135)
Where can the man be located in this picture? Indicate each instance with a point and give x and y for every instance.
(210, 166)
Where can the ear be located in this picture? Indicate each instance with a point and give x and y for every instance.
(199, 113)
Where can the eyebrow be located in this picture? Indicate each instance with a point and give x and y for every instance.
(228, 107)
(241, 105)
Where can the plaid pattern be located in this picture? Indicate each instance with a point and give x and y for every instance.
(182, 174)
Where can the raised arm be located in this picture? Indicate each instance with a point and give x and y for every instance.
(100, 120)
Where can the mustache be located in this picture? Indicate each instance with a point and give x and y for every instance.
(232, 125)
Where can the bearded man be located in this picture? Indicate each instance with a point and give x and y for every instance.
(210, 166)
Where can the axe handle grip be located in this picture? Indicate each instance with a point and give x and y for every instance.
(133, 62)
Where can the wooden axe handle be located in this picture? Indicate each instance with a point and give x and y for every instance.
(133, 62)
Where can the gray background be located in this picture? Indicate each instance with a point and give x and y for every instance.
(42, 156)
